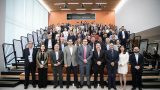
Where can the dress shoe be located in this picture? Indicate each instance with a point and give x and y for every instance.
(61, 86)
(95, 86)
(140, 88)
(109, 88)
(77, 86)
(25, 87)
(81, 86)
(67, 86)
(34, 86)
(115, 88)
(102, 86)
(89, 86)
(133, 88)
(55, 86)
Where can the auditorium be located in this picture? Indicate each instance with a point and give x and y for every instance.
(80, 44)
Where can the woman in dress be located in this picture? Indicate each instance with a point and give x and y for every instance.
(42, 65)
(123, 65)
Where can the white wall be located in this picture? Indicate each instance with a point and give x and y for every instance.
(2, 32)
(22, 17)
(139, 15)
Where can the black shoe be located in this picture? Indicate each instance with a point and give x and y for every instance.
(67, 86)
(89, 86)
(81, 86)
(133, 88)
(25, 87)
(102, 86)
(55, 86)
(34, 86)
(61, 86)
(95, 86)
(140, 88)
(109, 88)
(115, 88)
(77, 86)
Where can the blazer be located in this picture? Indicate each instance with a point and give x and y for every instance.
(133, 62)
(100, 58)
(53, 57)
(81, 55)
(26, 53)
(120, 36)
(110, 59)
(38, 59)
(68, 58)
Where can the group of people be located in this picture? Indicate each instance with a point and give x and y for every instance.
(85, 48)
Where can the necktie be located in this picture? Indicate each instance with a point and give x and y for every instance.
(85, 52)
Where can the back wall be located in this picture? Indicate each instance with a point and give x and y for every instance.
(103, 17)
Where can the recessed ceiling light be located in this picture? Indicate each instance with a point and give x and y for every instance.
(101, 3)
(59, 3)
(96, 9)
(87, 3)
(80, 9)
(73, 3)
(65, 9)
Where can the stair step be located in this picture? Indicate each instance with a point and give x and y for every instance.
(18, 64)
(9, 83)
(12, 72)
(151, 84)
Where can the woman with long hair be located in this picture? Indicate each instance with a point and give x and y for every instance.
(42, 65)
(123, 66)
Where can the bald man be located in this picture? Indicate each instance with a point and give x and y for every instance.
(136, 61)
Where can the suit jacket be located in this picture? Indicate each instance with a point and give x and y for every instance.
(81, 54)
(101, 57)
(46, 43)
(38, 59)
(53, 57)
(110, 59)
(68, 58)
(134, 63)
(26, 53)
(91, 44)
(120, 35)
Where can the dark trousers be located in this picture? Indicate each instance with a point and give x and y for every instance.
(42, 77)
(100, 70)
(111, 77)
(75, 72)
(136, 78)
(123, 42)
(57, 72)
(30, 69)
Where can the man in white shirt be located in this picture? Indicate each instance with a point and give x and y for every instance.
(29, 55)
(136, 60)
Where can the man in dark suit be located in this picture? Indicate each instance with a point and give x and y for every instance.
(56, 61)
(123, 36)
(98, 57)
(29, 55)
(84, 58)
(49, 43)
(112, 57)
(136, 61)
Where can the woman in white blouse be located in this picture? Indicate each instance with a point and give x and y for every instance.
(123, 66)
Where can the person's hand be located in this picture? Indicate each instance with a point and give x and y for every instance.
(137, 67)
(112, 63)
(55, 65)
(58, 63)
(99, 62)
(85, 60)
(41, 66)
(65, 65)
(120, 65)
